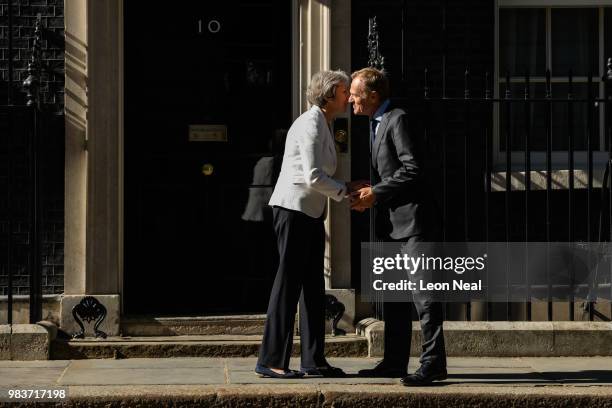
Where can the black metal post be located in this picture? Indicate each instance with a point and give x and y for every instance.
(508, 107)
(444, 47)
(375, 60)
(33, 100)
(590, 103)
(488, 170)
(426, 87)
(9, 241)
(527, 190)
(404, 41)
(9, 246)
(549, 115)
(466, 168)
(608, 127)
(570, 166)
(443, 122)
(466, 172)
(10, 54)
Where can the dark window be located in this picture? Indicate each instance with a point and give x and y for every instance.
(522, 41)
(574, 41)
(562, 39)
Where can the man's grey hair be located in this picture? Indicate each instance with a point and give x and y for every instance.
(323, 86)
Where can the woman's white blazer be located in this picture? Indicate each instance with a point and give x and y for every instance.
(309, 161)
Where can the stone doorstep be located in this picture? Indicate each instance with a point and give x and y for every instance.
(505, 339)
(190, 346)
(204, 325)
(227, 324)
(24, 342)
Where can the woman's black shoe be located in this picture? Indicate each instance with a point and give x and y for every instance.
(269, 373)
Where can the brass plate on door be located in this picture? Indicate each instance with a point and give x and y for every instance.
(207, 133)
(208, 169)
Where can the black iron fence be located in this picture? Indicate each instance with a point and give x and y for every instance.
(519, 158)
(25, 125)
(515, 165)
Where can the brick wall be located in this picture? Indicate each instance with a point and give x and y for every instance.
(24, 19)
(14, 146)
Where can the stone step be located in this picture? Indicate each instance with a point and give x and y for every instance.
(336, 395)
(505, 339)
(184, 326)
(191, 346)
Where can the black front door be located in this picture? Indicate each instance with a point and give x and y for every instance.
(207, 96)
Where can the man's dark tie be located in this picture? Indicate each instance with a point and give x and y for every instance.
(373, 124)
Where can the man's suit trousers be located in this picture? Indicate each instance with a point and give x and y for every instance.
(301, 246)
(398, 327)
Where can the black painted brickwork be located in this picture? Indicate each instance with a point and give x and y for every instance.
(24, 18)
(52, 148)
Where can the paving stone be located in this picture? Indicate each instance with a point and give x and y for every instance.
(461, 362)
(157, 363)
(232, 382)
(29, 376)
(574, 370)
(246, 377)
(136, 376)
(34, 364)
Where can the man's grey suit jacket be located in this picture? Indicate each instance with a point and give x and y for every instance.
(404, 207)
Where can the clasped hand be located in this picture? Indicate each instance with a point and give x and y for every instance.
(361, 195)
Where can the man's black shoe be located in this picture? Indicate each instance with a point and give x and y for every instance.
(425, 375)
(383, 370)
(325, 371)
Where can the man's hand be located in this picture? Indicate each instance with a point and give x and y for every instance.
(352, 186)
(362, 199)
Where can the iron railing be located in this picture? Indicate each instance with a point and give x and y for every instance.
(505, 104)
(466, 130)
(25, 122)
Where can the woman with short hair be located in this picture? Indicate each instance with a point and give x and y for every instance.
(299, 200)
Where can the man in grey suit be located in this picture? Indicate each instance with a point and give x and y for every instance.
(404, 212)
